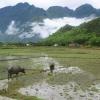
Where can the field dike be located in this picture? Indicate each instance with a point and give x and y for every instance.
(70, 90)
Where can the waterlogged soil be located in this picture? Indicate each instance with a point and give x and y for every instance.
(70, 91)
(66, 83)
(6, 98)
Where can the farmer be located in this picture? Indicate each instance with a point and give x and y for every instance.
(52, 67)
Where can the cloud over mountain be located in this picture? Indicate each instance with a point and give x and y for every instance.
(24, 22)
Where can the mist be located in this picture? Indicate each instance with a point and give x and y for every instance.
(50, 26)
(12, 29)
(45, 28)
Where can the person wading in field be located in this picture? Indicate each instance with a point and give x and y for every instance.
(52, 67)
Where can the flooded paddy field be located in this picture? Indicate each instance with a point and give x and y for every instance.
(76, 75)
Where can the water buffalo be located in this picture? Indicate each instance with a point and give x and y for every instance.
(15, 70)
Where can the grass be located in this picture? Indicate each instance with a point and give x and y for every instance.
(87, 59)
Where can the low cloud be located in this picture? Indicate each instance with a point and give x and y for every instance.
(50, 26)
(12, 29)
(45, 28)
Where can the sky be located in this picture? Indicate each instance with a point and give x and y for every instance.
(47, 3)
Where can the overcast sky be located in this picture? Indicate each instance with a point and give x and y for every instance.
(47, 3)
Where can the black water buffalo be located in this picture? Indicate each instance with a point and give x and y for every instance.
(52, 67)
(15, 70)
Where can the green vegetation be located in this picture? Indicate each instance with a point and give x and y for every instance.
(86, 58)
(87, 34)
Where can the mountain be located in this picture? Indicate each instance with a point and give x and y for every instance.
(56, 12)
(17, 22)
(85, 11)
(17, 19)
(65, 29)
(85, 34)
(92, 26)
(20, 13)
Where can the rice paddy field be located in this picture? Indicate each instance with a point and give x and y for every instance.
(76, 75)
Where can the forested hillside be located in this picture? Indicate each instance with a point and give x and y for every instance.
(85, 34)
